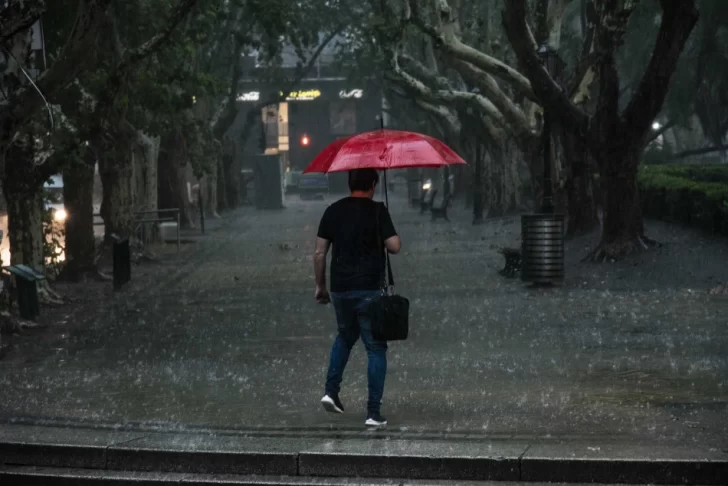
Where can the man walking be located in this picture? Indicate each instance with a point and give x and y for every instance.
(356, 227)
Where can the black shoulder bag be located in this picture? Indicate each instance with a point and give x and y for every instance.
(390, 313)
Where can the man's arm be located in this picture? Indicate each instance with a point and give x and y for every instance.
(393, 244)
(392, 241)
(319, 267)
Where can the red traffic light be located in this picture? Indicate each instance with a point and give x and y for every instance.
(305, 140)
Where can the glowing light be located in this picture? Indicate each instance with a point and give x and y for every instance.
(249, 96)
(302, 95)
(305, 140)
(656, 126)
(60, 215)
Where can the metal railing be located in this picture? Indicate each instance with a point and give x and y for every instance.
(159, 219)
(139, 224)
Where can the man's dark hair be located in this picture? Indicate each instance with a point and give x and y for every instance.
(362, 179)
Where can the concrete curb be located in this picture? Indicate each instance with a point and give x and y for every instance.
(109, 452)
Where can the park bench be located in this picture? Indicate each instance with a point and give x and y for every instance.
(513, 262)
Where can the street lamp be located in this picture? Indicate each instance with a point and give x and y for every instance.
(549, 59)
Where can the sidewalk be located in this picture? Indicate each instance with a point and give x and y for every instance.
(52, 453)
(230, 339)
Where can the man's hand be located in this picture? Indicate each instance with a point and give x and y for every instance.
(322, 296)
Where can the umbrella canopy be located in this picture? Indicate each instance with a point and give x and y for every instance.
(383, 149)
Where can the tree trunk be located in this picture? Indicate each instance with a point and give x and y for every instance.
(78, 187)
(146, 158)
(116, 169)
(210, 193)
(221, 186)
(623, 228)
(145, 152)
(232, 176)
(173, 177)
(581, 204)
(477, 185)
(23, 190)
(500, 181)
(25, 227)
(184, 195)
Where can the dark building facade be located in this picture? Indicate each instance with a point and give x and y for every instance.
(322, 108)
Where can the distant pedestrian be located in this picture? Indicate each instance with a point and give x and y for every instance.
(359, 230)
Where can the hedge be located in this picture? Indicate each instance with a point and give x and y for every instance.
(694, 195)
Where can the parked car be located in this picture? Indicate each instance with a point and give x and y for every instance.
(311, 186)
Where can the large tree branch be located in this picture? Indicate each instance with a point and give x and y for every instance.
(429, 76)
(488, 86)
(440, 113)
(448, 41)
(138, 54)
(439, 110)
(18, 16)
(661, 131)
(547, 90)
(678, 20)
(442, 95)
(227, 113)
(700, 151)
(74, 59)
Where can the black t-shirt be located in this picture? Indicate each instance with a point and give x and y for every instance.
(357, 261)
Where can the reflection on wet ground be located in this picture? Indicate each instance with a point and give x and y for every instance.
(231, 338)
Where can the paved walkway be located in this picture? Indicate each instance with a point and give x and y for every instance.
(230, 338)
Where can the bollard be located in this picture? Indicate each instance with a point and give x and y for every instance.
(122, 262)
(542, 248)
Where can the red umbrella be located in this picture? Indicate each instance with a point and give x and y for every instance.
(381, 150)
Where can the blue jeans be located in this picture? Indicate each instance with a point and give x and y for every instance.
(353, 322)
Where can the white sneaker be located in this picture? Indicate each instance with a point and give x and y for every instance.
(332, 405)
(375, 420)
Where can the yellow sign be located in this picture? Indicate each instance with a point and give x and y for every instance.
(302, 95)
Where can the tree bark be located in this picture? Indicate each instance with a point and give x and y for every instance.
(623, 230)
(173, 177)
(477, 184)
(25, 224)
(210, 193)
(232, 175)
(78, 187)
(146, 158)
(23, 188)
(116, 169)
(581, 203)
(76, 57)
(221, 186)
(145, 151)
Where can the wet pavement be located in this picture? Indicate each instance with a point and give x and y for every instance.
(228, 337)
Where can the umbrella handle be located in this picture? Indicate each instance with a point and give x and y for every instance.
(386, 194)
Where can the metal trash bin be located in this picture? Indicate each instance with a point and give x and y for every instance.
(26, 282)
(542, 248)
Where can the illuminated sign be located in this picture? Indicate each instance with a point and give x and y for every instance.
(249, 96)
(302, 95)
(354, 93)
